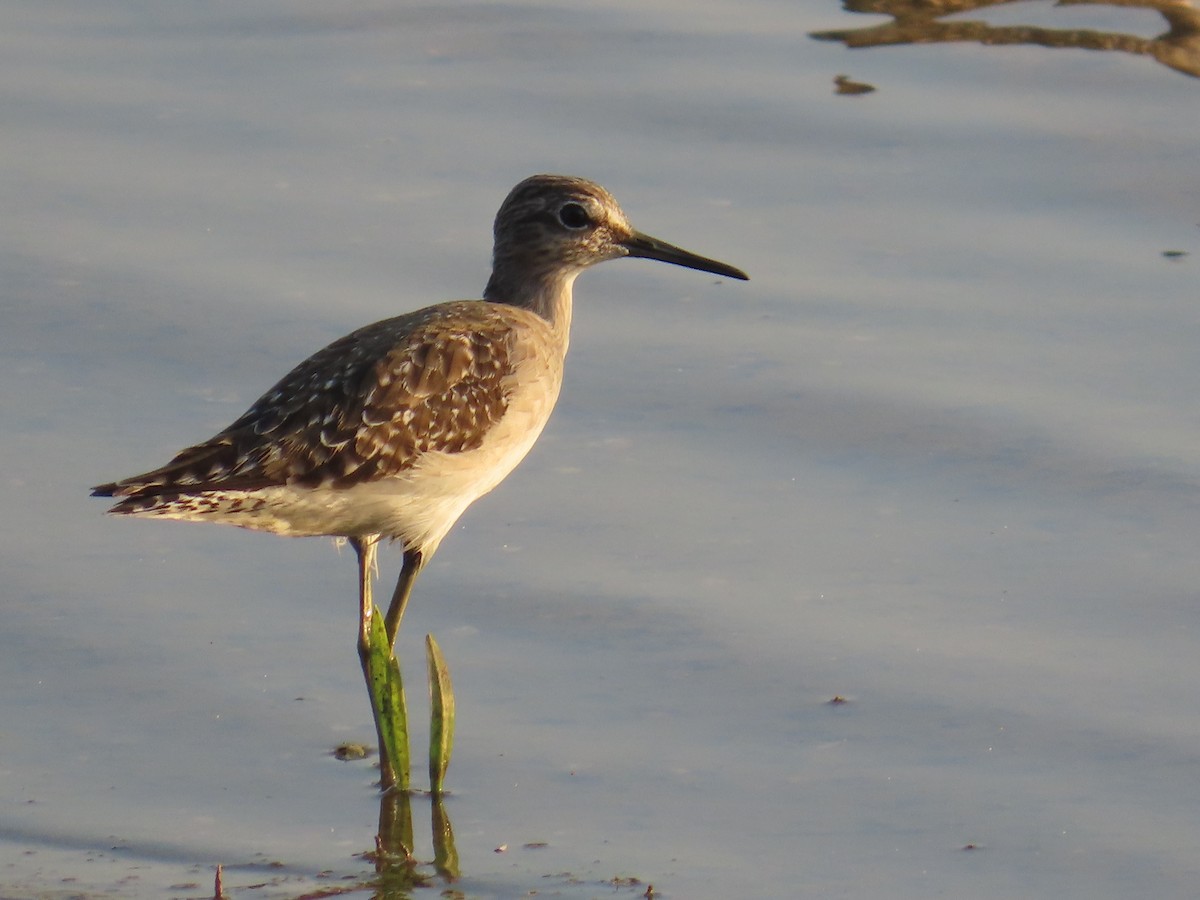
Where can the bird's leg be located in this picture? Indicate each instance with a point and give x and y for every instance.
(366, 548)
(414, 561)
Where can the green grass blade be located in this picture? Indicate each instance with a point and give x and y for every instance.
(441, 715)
(387, 701)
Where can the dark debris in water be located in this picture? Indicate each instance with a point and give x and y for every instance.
(843, 85)
(350, 751)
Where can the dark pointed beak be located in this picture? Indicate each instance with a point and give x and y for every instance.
(645, 247)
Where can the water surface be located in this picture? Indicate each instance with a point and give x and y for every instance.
(939, 458)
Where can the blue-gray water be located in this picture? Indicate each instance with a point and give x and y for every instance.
(940, 457)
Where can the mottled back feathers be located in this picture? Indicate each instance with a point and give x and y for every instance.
(365, 407)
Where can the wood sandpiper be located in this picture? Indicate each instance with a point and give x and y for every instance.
(395, 429)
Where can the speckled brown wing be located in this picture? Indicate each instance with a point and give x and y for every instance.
(365, 407)
(442, 392)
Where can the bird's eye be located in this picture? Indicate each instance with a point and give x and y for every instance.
(574, 216)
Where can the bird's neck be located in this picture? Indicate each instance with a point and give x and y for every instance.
(549, 297)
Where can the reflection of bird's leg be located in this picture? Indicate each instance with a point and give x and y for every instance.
(366, 547)
(414, 561)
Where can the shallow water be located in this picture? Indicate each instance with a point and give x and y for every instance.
(938, 458)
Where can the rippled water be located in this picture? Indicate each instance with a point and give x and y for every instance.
(940, 458)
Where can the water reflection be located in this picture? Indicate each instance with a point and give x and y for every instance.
(919, 22)
(397, 871)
